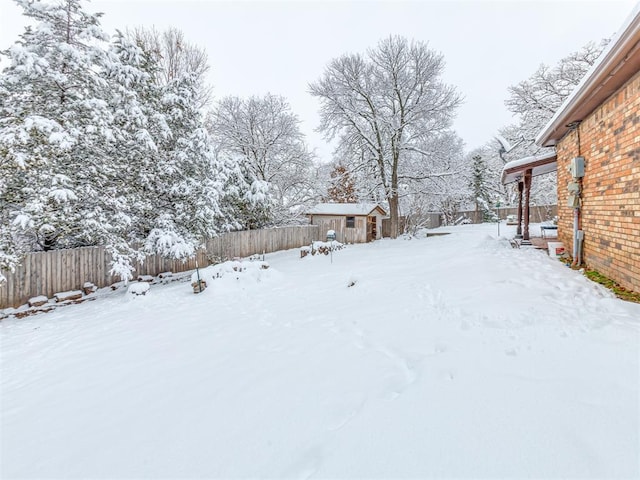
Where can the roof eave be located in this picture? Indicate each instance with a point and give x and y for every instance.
(619, 62)
(379, 208)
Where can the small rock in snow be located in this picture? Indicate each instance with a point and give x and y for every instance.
(140, 288)
(38, 301)
(69, 295)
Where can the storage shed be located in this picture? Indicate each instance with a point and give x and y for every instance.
(352, 222)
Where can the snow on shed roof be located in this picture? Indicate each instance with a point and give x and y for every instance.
(344, 209)
(538, 164)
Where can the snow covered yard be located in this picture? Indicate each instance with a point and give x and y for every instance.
(451, 356)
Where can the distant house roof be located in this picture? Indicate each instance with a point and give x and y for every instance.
(538, 164)
(616, 65)
(351, 209)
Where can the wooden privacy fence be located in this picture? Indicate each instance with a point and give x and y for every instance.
(47, 273)
(537, 213)
(386, 226)
(248, 242)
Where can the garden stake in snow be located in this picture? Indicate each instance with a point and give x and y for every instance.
(331, 237)
(198, 276)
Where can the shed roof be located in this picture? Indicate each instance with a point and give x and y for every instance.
(616, 65)
(538, 164)
(344, 209)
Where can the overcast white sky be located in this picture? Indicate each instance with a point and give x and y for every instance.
(256, 47)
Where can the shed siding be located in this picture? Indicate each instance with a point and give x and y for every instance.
(609, 140)
(338, 223)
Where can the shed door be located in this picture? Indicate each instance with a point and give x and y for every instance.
(372, 230)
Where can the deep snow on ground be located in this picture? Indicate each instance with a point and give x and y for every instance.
(451, 356)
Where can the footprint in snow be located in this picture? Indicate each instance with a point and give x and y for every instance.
(340, 411)
(465, 325)
(306, 465)
(447, 375)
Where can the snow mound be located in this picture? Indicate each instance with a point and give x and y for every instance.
(234, 271)
(137, 289)
(492, 244)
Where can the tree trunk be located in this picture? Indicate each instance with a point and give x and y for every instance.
(393, 213)
(394, 202)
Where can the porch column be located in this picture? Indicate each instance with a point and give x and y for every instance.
(527, 194)
(520, 187)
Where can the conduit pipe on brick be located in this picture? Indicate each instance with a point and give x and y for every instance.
(578, 236)
(576, 222)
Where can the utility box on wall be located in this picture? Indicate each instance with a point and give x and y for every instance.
(573, 201)
(574, 188)
(576, 167)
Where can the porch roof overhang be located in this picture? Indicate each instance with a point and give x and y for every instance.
(538, 164)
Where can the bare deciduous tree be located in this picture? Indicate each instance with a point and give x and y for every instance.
(384, 107)
(535, 100)
(175, 56)
(263, 134)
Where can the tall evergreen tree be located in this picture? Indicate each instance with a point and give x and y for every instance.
(93, 151)
(480, 189)
(55, 125)
(175, 178)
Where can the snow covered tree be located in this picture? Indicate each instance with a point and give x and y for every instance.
(480, 188)
(188, 196)
(180, 177)
(263, 136)
(444, 187)
(93, 151)
(55, 124)
(535, 101)
(385, 106)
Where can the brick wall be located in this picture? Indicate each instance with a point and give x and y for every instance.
(609, 140)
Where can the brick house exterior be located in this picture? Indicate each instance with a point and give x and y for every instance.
(600, 121)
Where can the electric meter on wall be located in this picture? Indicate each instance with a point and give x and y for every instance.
(576, 167)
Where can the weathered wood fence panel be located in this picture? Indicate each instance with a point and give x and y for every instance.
(386, 226)
(47, 273)
(249, 242)
(537, 213)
